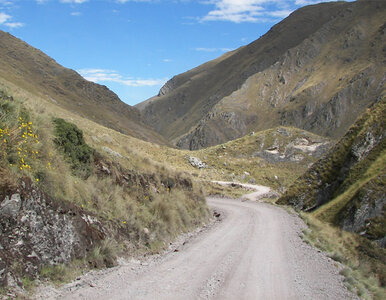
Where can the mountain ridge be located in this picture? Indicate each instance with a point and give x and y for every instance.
(36, 72)
(212, 108)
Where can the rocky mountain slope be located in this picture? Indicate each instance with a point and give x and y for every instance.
(347, 186)
(317, 70)
(32, 70)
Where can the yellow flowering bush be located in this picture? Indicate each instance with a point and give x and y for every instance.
(26, 144)
(19, 141)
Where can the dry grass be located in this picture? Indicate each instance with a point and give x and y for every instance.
(214, 189)
(364, 263)
(157, 197)
(238, 159)
(144, 156)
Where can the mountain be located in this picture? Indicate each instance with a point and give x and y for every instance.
(34, 71)
(347, 186)
(317, 70)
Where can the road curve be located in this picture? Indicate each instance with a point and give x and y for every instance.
(255, 252)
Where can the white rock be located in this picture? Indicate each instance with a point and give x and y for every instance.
(10, 206)
(197, 163)
(111, 152)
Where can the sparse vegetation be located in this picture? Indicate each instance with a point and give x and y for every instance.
(346, 189)
(364, 263)
(214, 189)
(101, 256)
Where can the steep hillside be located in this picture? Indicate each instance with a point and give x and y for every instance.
(32, 70)
(67, 205)
(317, 70)
(347, 186)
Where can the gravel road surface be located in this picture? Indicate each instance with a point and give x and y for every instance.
(254, 252)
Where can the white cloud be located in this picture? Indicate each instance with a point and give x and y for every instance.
(4, 17)
(14, 24)
(124, 1)
(239, 11)
(100, 75)
(73, 1)
(236, 11)
(203, 49)
(5, 2)
(167, 60)
(76, 14)
(280, 13)
(4, 21)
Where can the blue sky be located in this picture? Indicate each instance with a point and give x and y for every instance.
(135, 46)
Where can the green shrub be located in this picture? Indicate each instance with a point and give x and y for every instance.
(69, 139)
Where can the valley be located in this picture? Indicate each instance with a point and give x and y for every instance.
(257, 175)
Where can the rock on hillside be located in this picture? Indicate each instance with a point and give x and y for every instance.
(273, 157)
(295, 150)
(37, 231)
(347, 186)
(32, 70)
(317, 70)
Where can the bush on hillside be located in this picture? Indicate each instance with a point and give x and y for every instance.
(69, 139)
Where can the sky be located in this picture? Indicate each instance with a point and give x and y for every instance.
(134, 46)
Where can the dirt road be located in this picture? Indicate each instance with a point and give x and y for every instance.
(259, 190)
(255, 252)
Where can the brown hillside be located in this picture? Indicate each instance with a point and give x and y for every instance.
(32, 70)
(317, 70)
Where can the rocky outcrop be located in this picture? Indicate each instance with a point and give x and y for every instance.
(346, 186)
(214, 129)
(333, 117)
(36, 231)
(295, 151)
(197, 163)
(167, 87)
(366, 213)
